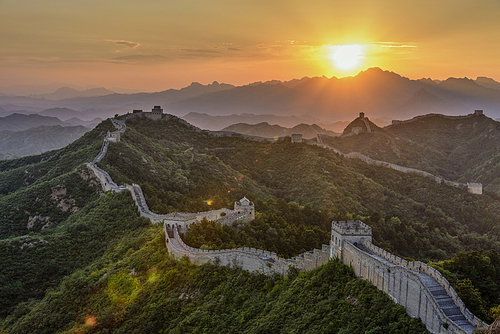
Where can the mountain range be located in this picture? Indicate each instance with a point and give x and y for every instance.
(68, 93)
(38, 139)
(22, 135)
(375, 91)
(272, 131)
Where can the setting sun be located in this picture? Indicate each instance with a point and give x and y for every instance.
(347, 57)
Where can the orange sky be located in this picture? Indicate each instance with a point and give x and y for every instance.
(156, 44)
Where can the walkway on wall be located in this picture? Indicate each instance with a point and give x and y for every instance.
(370, 161)
(450, 309)
(444, 301)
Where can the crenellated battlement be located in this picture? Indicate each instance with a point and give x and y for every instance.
(352, 227)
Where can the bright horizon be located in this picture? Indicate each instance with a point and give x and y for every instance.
(153, 45)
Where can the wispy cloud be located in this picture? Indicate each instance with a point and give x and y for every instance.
(401, 50)
(393, 45)
(127, 44)
(142, 59)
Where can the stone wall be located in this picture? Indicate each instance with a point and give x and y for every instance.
(400, 279)
(250, 259)
(254, 260)
(432, 272)
(402, 286)
(474, 188)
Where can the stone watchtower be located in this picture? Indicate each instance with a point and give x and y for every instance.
(296, 138)
(348, 231)
(156, 112)
(245, 206)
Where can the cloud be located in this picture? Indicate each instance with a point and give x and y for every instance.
(187, 53)
(128, 44)
(393, 45)
(381, 49)
(234, 49)
(142, 59)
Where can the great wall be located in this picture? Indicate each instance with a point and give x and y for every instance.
(421, 289)
(474, 188)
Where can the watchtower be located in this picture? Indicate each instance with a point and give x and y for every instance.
(296, 138)
(245, 206)
(156, 112)
(348, 231)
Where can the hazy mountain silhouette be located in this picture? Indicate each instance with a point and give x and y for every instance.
(67, 93)
(39, 139)
(374, 91)
(19, 122)
(215, 123)
(488, 83)
(144, 100)
(422, 100)
(62, 113)
(270, 131)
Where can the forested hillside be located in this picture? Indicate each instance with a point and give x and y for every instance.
(88, 263)
(462, 149)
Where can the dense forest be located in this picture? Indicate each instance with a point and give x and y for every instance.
(76, 260)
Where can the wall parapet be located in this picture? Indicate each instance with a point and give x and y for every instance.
(417, 266)
(395, 281)
(474, 188)
(351, 227)
(250, 259)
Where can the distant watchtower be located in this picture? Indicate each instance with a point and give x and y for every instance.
(348, 231)
(156, 112)
(245, 206)
(478, 113)
(361, 115)
(296, 138)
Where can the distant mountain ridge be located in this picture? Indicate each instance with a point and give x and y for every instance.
(19, 122)
(67, 93)
(39, 139)
(22, 135)
(216, 123)
(271, 131)
(379, 92)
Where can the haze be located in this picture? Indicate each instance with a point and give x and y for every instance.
(153, 45)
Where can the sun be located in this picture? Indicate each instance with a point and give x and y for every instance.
(346, 57)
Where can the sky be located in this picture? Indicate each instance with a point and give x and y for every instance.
(153, 45)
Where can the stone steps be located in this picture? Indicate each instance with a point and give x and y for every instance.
(447, 305)
(444, 301)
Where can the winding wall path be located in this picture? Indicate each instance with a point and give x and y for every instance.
(421, 289)
(247, 258)
(476, 188)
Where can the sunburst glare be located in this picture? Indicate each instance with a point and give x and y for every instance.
(347, 57)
